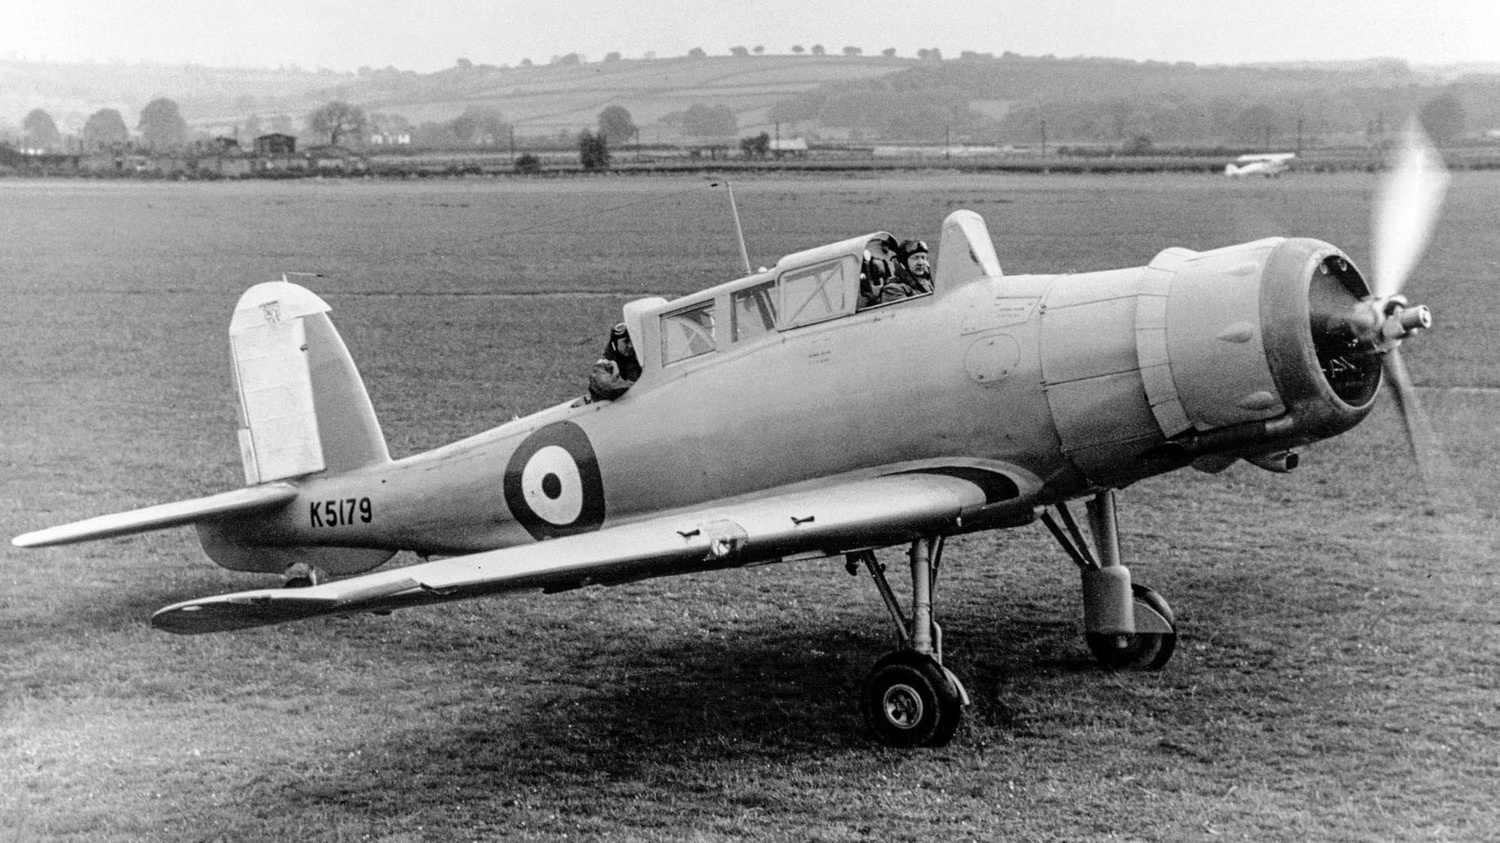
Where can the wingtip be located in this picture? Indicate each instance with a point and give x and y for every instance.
(244, 610)
(38, 538)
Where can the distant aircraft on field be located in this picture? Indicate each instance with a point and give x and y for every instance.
(1269, 164)
(776, 418)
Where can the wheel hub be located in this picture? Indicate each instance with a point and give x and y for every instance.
(902, 706)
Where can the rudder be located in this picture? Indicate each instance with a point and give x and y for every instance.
(303, 406)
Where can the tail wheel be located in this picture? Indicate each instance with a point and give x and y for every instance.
(908, 700)
(1142, 651)
(301, 575)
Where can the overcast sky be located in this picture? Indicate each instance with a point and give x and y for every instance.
(432, 34)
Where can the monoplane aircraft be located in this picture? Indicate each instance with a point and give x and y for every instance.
(1268, 164)
(759, 431)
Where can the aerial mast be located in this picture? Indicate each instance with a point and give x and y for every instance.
(739, 233)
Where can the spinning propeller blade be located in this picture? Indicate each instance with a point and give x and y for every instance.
(1444, 490)
(1409, 200)
(1402, 227)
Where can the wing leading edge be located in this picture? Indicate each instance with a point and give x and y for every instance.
(870, 512)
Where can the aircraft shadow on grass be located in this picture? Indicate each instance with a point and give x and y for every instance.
(762, 692)
(758, 688)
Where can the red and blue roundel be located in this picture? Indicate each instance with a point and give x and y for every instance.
(552, 483)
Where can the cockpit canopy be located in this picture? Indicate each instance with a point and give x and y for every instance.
(803, 288)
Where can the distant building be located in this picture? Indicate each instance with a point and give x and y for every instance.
(795, 147)
(162, 164)
(228, 162)
(390, 139)
(709, 150)
(279, 164)
(275, 144)
(334, 159)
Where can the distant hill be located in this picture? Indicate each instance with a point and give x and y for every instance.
(858, 98)
(570, 97)
(538, 100)
(71, 92)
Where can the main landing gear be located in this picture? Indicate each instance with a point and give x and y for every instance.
(910, 699)
(1127, 626)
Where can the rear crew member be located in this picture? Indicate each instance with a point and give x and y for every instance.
(617, 370)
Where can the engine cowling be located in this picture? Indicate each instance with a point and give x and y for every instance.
(1245, 351)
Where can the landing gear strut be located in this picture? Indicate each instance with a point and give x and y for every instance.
(909, 698)
(1127, 626)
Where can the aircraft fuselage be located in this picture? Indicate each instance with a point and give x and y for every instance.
(1076, 382)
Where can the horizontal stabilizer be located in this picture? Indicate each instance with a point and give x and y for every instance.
(237, 502)
(870, 512)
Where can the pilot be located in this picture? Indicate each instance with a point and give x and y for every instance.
(896, 287)
(913, 268)
(617, 370)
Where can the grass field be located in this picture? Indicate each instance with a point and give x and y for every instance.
(1338, 676)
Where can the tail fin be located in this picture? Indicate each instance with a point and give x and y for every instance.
(303, 409)
(303, 406)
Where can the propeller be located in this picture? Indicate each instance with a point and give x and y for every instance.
(1408, 205)
(1409, 200)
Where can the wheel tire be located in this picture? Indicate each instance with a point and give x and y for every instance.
(1142, 651)
(908, 700)
(301, 575)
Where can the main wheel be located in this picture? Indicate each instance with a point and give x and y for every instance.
(1142, 651)
(908, 700)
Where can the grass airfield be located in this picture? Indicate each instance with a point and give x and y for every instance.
(1337, 676)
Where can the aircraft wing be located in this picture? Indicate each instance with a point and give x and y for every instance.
(238, 501)
(851, 515)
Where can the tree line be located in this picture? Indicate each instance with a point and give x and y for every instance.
(1116, 101)
(977, 97)
(161, 126)
(1124, 104)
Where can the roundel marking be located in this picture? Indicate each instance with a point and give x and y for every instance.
(552, 483)
(553, 486)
